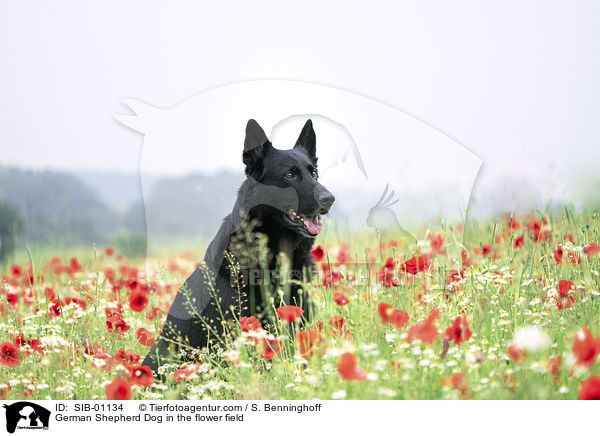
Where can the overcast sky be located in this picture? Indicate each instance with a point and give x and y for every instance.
(515, 82)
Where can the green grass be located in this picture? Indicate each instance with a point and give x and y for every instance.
(502, 291)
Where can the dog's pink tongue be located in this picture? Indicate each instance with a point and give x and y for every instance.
(313, 224)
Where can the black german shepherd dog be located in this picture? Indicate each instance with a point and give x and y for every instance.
(275, 219)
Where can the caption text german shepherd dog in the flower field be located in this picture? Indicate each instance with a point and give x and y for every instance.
(273, 224)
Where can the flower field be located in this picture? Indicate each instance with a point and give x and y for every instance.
(508, 310)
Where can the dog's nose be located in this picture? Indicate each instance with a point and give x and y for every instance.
(325, 200)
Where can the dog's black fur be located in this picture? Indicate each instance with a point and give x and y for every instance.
(280, 199)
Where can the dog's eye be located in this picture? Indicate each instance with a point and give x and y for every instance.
(289, 175)
(315, 175)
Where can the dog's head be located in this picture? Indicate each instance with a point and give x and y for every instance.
(289, 179)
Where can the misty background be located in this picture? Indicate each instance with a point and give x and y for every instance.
(514, 82)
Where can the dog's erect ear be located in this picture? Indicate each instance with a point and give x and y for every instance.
(256, 146)
(308, 140)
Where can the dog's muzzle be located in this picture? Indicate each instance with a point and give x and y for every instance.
(324, 199)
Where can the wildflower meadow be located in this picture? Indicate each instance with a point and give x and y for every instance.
(505, 309)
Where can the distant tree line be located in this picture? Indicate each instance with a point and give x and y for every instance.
(11, 226)
(57, 208)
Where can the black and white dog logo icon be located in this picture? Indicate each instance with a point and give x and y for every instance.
(26, 415)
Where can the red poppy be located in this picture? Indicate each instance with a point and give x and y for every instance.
(565, 302)
(92, 349)
(28, 279)
(573, 258)
(486, 249)
(69, 300)
(249, 323)
(426, 331)
(74, 265)
(590, 389)
(173, 267)
(153, 313)
(109, 251)
(390, 263)
(54, 309)
(145, 337)
(118, 389)
(519, 242)
(397, 318)
(116, 324)
(289, 313)
(457, 381)
(49, 293)
(132, 284)
(386, 278)
(565, 299)
(459, 332)
(416, 264)
(465, 259)
(517, 354)
(9, 355)
(348, 368)
(320, 325)
(340, 298)
(514, 224)
(453, 279)
(585, 347)
(558, 254)
(555, 366)
(436, 243)
(113, 311)
(591, 249)
(337, 322)
(269, 347)
(331, 277)
(16, 270)
(535, 226)
(386, 273)
(308, 340)
(564, 286)
(12, 299)
(318, 253)
(21, 340)
(344, 254)
(142, 376)
(546, 235)
(385, 310)
(127, 357)
(138, 301)
(183, 373)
